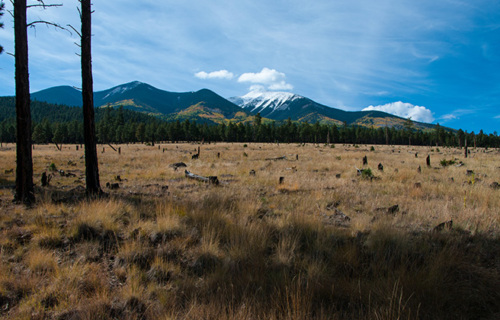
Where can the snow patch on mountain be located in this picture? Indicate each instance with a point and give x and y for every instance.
(257, 101)
(123, 88)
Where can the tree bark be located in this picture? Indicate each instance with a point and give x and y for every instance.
(24, 171)
(91, 165)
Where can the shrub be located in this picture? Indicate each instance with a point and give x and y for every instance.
(367, 173)
(446, 163)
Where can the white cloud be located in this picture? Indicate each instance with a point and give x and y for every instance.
(405, 110)
(257, 88)
(449, 117)
(221, 74)
(274, 80)
(455, 115)
(497, 117)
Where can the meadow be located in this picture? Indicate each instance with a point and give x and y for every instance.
(336, 239)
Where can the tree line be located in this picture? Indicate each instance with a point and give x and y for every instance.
(61, 124)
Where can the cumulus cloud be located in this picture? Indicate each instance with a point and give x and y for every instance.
(405, 110)
(221, 74)
(270, 78)
(282, 85)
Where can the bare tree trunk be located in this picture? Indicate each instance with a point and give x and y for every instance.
(91, 164)
(24, 171)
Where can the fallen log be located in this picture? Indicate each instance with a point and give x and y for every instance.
(278, 158)
(209, 179)
(109, 144)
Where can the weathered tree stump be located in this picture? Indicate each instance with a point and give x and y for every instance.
(178, 165)
(428, 160)
(45, 179)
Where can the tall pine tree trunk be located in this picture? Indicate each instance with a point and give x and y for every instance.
(24, 171)
(91, 164)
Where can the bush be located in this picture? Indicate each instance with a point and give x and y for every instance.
(446, 163)
(367, 173)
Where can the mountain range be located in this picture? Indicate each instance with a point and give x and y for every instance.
(207, 106)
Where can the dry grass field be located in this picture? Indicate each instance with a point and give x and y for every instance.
(327, 243)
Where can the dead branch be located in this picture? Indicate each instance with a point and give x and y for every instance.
(278, 158)
(109, 144)
(76, 31)
(47, 23)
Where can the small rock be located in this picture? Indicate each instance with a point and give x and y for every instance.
(332, 205)
(393, 210)
(112, 186)
(444, 225)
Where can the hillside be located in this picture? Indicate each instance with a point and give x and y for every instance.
(205, 106)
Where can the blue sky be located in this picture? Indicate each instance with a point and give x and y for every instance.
(436, 61)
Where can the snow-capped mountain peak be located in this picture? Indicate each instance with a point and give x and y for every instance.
(258, 101)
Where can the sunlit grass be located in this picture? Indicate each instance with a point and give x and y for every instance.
(162, 246)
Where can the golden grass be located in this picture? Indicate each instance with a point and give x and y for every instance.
(252, 248)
